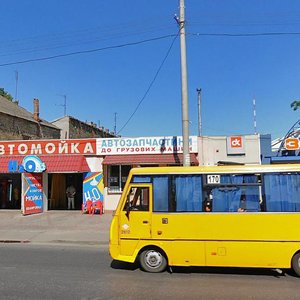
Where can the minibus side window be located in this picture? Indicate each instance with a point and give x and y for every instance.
(188, 193)
(235, 193)
(177, 193)
(282, 192)
(137, 199)
(161, 193)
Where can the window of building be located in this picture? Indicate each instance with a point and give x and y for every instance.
(117, 176)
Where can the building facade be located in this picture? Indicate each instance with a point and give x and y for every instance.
(34, 175)
(16, 123)
(72, 128)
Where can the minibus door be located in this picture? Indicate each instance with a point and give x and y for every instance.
(135, 220)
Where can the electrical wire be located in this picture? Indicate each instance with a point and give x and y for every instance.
(64, 41)
(244, 34)
(87, 51)
(151, 83)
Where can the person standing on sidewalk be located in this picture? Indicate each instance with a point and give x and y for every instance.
(71, 191)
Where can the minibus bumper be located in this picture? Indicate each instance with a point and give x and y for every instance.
(114, 251)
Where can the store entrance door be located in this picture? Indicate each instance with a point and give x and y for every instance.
(58, 183)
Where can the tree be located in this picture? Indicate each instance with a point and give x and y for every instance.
(5, 94)
(295, 105)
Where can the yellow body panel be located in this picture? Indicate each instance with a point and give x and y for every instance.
(244, 239)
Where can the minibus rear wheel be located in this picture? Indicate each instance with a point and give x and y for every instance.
(153, 260)
(296, 263)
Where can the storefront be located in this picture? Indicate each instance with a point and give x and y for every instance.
(98, 168)
(122, 154)
(34, 175)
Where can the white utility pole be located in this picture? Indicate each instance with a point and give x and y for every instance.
(184, 88)
(199, 113)
(254, 115)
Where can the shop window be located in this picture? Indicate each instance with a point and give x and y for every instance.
(117, 176)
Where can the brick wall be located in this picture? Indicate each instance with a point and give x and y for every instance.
(80, 129)
(13, 128)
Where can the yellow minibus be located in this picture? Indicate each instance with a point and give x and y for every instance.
(235, 216)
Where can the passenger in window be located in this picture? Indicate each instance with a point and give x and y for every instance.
(241, 209)
(208, 202)
(207, 206)
(242, 206)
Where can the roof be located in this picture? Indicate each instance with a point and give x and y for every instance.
(13, 109)
(54, 163)
(234, 169)
(148, 159)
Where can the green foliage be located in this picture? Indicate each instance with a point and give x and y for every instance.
(295, 105)
(5, 94)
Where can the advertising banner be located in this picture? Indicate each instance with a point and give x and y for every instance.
(145, 145)
(93, 189)
(48, 147)
(33, 195)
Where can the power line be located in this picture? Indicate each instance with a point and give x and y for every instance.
(63, 41)
(151, 83)
(146, 41)
(87, 51)
(244, 34)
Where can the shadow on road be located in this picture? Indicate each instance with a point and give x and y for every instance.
(115, 264)
(121, 265)
(232, 271)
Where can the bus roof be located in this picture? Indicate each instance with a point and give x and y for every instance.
(217, 169)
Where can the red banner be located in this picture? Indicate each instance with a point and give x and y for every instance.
(33, 196)
(46, 147)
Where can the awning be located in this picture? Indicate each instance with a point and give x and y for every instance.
(285, 159)
(149, 159)
(54, 163)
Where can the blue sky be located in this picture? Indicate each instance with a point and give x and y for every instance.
(230, 70)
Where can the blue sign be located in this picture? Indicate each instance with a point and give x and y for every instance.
(12, 166)
(33, 164)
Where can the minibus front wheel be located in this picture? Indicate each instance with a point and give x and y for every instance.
(296, 263)
(153, 260)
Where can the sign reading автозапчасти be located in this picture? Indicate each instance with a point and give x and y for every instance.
(144, 145)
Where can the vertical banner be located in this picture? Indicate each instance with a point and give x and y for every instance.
(93, 189)
(33, 195)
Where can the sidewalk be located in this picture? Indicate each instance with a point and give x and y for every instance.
(69, 227)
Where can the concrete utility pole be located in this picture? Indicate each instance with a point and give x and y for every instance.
(184, 88)
(199, 113)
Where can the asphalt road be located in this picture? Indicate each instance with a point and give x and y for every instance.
(30, 271)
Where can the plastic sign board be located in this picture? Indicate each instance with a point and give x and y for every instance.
(33, 164)
(33, 196)
(291, 144)
(12, 166)
(48, 147)
(235, 145)
(93, 188)
(145, 145)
